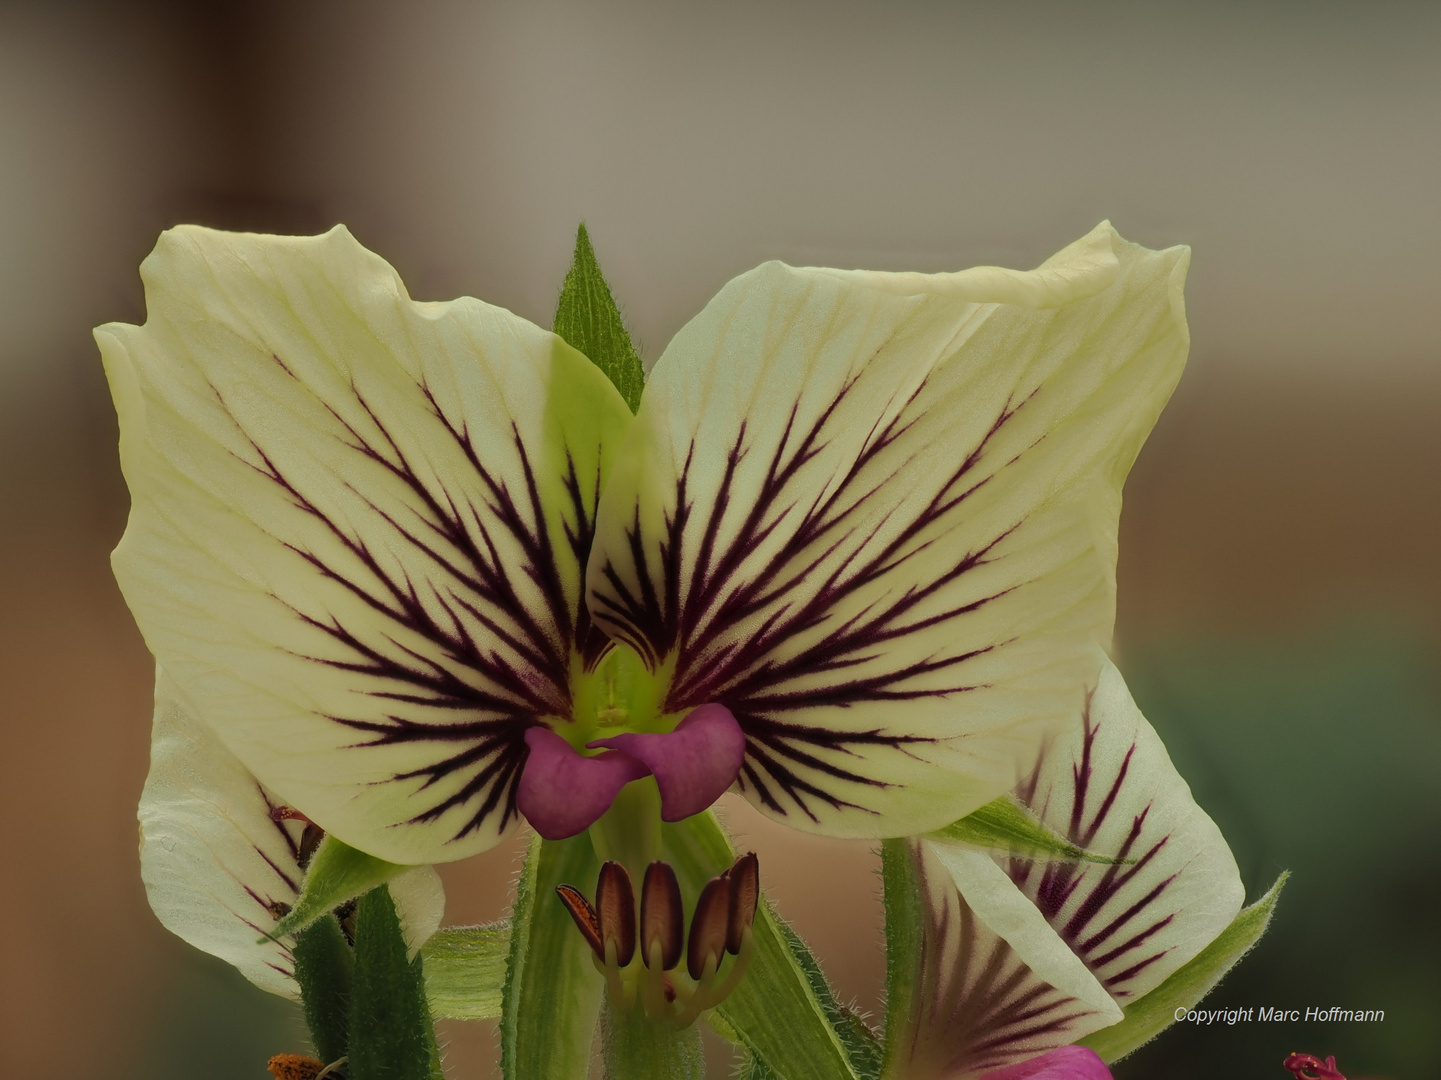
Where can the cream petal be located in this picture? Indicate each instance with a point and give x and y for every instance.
(995, 984)
(358, 527)
(218, 869)
(875, 517)
(1109, 786)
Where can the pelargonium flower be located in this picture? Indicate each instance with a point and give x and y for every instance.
(422, 572)
(223, 860)
(1020, 956)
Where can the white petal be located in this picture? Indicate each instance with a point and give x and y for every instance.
(1110, 787)
(996, 901)
(217, 869)
(419, 897)
(875, 516)
(996, 984)
(358, 527)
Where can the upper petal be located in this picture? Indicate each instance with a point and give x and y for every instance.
(875, 517)
(218, 869)
(358, 527)
(1109, 786)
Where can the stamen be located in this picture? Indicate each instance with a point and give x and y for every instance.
(662, 916)
(310, 837)
(615, 907)
(586, 920)
(708, 929)
(721, 924)
(745, 879)
(310, 840)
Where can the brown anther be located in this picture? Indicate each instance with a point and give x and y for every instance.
(745, 878)
(294, 1067)
(615, 911)
(310, 839)
(662, 917)
(708, 926)
(585, 917)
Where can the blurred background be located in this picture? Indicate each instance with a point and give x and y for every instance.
(1280, 586)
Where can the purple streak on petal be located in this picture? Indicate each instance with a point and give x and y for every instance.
(692, 765)
(562, 792)
(1065, 1063)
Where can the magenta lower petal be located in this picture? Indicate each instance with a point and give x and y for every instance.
(694, 764)
(1065, 1063)
(562, 792)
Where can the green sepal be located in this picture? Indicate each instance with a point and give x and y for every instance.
(325, 969)
(860, 1042)
(635, 1047)
(391, 1034)
(587, 319)
(552, 994)
(1007, 825)
(337, 873)
(1148, 1016)
(905, 941)
(775, 1012)
(465, 971)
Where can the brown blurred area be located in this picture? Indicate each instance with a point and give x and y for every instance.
(1293, 481)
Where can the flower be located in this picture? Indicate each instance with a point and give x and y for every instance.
(1021, 956)
(222, 861)
(413, 563)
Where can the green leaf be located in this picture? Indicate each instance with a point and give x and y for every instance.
(465, 971)
(552, 994)
(1148, 1016)
(325, 968)
(775, 1012)
(391, 1035)
(636, 1047)
(587, 319)
(905, 930)
(1006, 824)
(337, 873)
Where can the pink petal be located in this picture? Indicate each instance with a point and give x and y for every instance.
(694, 764)
(562, 792)
(1065, 1063)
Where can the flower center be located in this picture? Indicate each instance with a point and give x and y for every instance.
(619, 696)
(618, 735)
